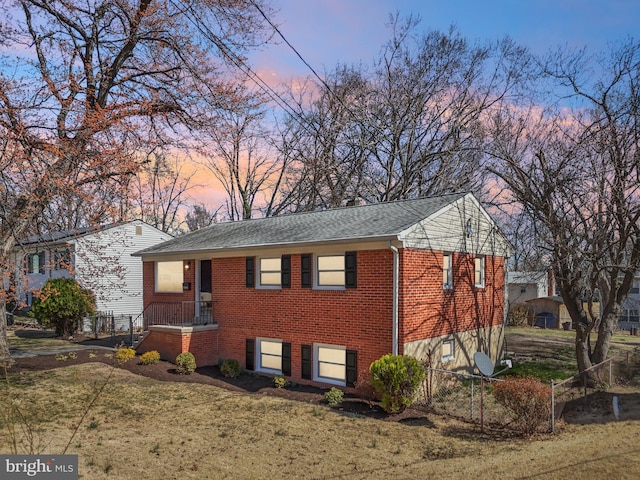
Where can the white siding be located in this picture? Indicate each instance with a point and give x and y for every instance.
(104, 264)
(461, 227)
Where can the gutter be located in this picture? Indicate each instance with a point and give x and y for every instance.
(394, 315)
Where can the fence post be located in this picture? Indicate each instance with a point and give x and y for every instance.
(472, 384)
(553, 408)
(113, 325)
(131, 330)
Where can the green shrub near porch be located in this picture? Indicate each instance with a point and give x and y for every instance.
(186, 363)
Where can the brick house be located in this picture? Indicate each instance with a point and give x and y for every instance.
(319, 296)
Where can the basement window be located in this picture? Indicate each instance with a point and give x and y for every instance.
(269, 355)
(448, 350)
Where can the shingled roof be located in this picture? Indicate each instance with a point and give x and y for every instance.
(367, 222)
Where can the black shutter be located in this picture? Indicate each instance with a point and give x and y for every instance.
(352, 368)
(285, 271)
(250, 356)
(306, 361)
(286, 359)
(350, 270)
(251, 272)
(305, 269)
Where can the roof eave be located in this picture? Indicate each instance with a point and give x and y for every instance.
(311, 243)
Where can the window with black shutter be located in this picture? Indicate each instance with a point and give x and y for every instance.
(305, 270)
(352, 368)
(251, 272)
(250, 353)
(306, 361)
(286, 358)
(285, 271)
(350, 270)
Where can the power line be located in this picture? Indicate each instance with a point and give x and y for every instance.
(284, 39)
(243, 67)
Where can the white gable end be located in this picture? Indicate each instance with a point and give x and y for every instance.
(463, 226)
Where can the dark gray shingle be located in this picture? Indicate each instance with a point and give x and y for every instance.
(384, 220)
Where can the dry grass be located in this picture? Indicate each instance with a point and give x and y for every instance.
(141, 428)
(33, 340)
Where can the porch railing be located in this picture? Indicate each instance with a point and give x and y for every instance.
(177, 313)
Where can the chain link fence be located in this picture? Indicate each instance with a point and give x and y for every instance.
(470, 398)
(465, 396)
(621, 369)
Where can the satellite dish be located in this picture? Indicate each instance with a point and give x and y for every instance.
(484, 364)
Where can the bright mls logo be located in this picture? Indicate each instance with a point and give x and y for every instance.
(51, 467)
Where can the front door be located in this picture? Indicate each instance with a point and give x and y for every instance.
(205, 306)
(205, 276)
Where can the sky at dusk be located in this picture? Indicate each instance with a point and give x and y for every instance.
(327, 32)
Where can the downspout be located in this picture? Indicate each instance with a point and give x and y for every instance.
(394, 314)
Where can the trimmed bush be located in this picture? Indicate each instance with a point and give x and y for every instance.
(280, 381)
(124, 354)
(334, 396)
(231, 368)
(186, 363)
(150, 358)
(61, 304)
(527, 399)
(396, 378)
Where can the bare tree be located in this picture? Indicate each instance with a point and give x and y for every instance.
(199, 216)
(575, 167)
(331, 142)
(159, 193)
(83, 86)
(238, 154)
(411, 127)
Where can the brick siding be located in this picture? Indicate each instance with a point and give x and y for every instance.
(428, 310)
(357, 318)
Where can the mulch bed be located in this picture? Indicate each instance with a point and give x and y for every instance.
(249, 383)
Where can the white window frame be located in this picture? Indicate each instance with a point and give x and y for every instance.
(318, 271)
(316, 364)
(32, 268)
(260, 283)
(448, 350)
(447, 271)
(259, 353)
(173, 286)
(479, 271)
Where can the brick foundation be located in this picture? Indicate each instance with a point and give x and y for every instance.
(171, 341)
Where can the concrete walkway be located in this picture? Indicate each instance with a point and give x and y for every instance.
(34, 347)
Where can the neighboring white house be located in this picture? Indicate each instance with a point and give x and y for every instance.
(98, 257)
(630, 315)
(524, 286)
